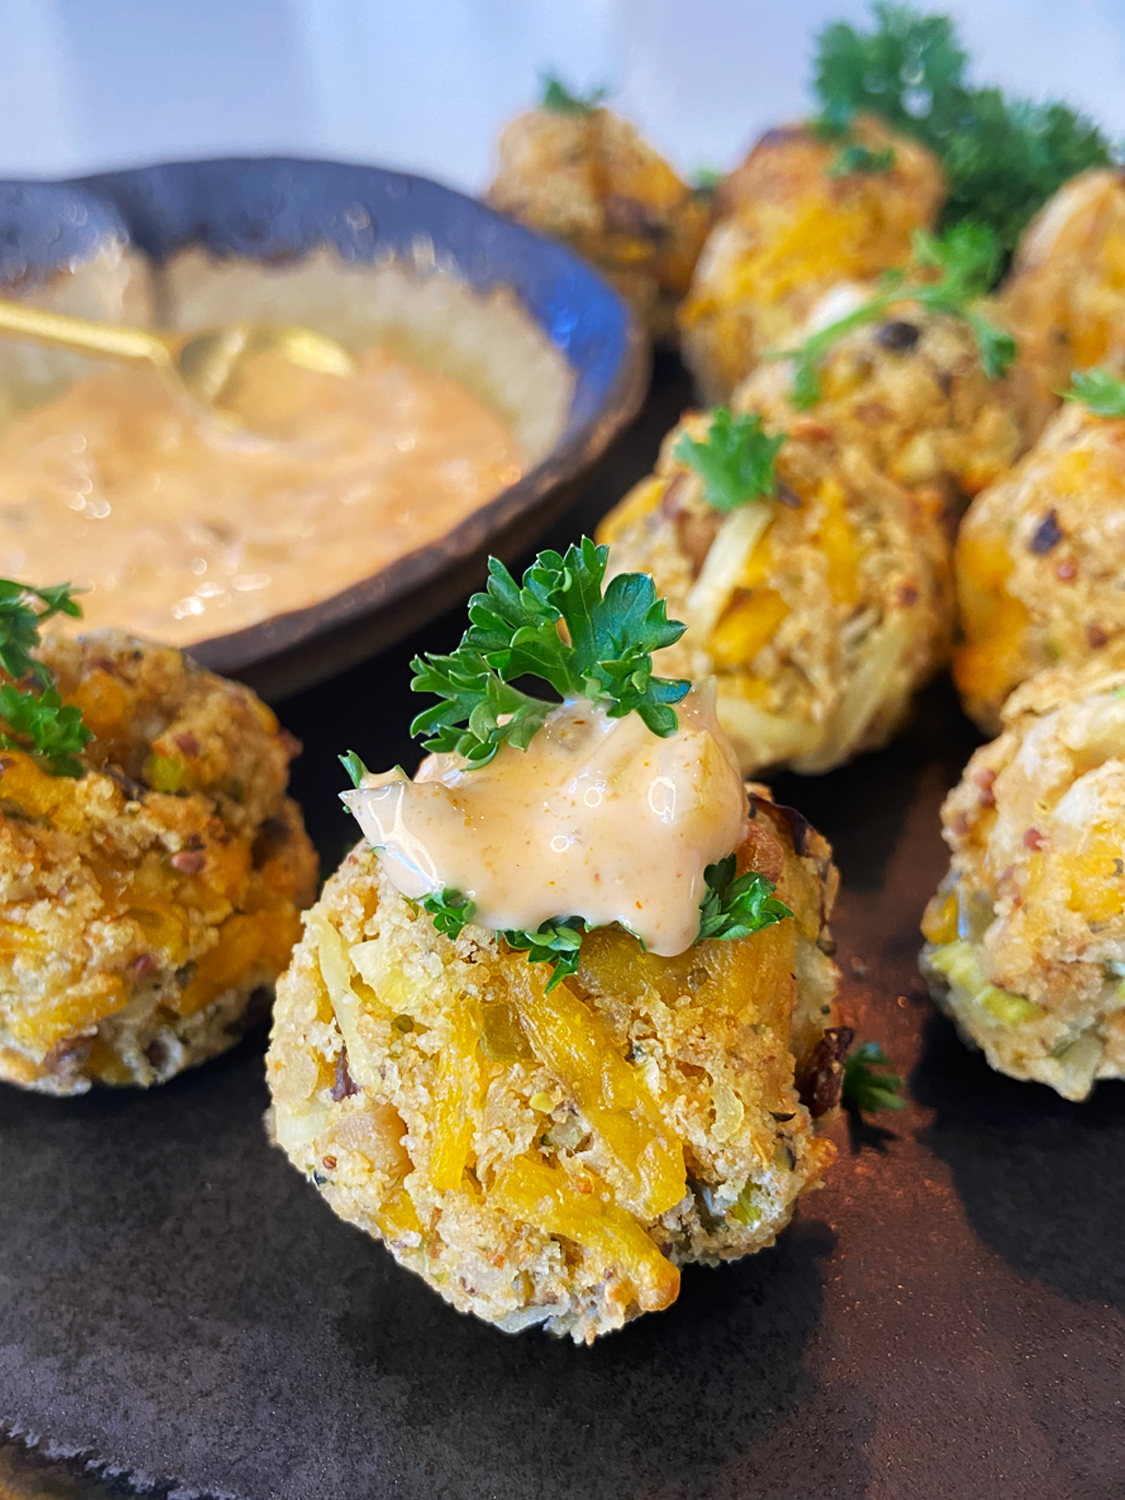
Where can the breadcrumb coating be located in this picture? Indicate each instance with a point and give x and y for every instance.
(819, 612)
(1026, 936)
(911, 393)
(147, 907)
(1039, 563)
(555, 1157)
(787, 229)
(589, 179)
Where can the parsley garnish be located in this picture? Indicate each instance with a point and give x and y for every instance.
(353, 766)
(605, 654)
(866, 1091)
(451, 911)
(1099, 392)
(35, 718)
(966, 258)
(557, 942)
(1003, 157)
(735, 460)
(555, 96)
(857, 158)
(737, 908)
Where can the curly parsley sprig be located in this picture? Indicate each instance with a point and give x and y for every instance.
(870, 1084)
(560, 627)
(965, 259)
(559, 100)
(1003, 157)
(1098, 391)
(35, 719)
(735, 460)
(736, 908)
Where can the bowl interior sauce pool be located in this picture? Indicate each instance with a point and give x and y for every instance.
(181, 530)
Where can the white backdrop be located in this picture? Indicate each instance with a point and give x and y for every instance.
(425, 84)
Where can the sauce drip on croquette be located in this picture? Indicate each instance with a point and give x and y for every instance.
(598, 817)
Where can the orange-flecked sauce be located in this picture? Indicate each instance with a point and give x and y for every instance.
(181, 530)
(598, 818)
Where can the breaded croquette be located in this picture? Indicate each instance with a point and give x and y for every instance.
(789, 227)
(148, 904)
(1026, 937)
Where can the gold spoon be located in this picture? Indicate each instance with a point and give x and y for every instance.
(202, 365)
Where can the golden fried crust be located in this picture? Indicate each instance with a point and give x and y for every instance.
(143, 904)
(590, 179)
(787, 230)
(555, 1157)
(1026, 937)
(819, 613)
(1065, 297)
(1039, 562)
(910, 392)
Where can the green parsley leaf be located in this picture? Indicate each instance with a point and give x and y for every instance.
(556, 97)
(858, 158)
(1003, 157)
(557, 942)
(866, 1090)
(353, 766)
(706, 180)
(735, 460)
(737, 908)
(20, 620)
(1099, 391)
(965, 258)
(451, 911)
(37, 722)
(45, 727)
(605, 654)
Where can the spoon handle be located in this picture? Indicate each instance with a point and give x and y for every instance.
(82, 335)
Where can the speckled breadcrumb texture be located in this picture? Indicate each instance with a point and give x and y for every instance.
(555, 1157)
(1026, 936)
(910, 392)
(1065, 296)
(787, 229)
(147, 907)
(1039, 563)
(819, 612)
(590, 180)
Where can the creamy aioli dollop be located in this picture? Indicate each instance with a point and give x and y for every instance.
(598, 818)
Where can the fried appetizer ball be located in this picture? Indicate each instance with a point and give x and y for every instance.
(1025, 940)
(789, 228)
(149, 904)
(1065, 297)
(586, 177)
(554, 1155)
(1040, 561)
(819, 612)
(911, 392)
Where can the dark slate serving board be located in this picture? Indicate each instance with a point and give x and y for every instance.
(946, 1319)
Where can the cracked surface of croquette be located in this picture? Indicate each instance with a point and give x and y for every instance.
(146, 907)
(787, 229)
(1040, 560)
(589, 179)
(910, 391)
(819, 612)
(555, 1157)
(1026, 937)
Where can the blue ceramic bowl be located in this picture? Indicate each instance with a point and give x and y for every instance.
(277, 210)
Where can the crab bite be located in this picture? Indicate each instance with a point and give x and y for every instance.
(563, 1022)
(149, 902)
(1025, 940)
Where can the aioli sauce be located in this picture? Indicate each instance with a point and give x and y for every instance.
(181, 530)
(598, 818)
